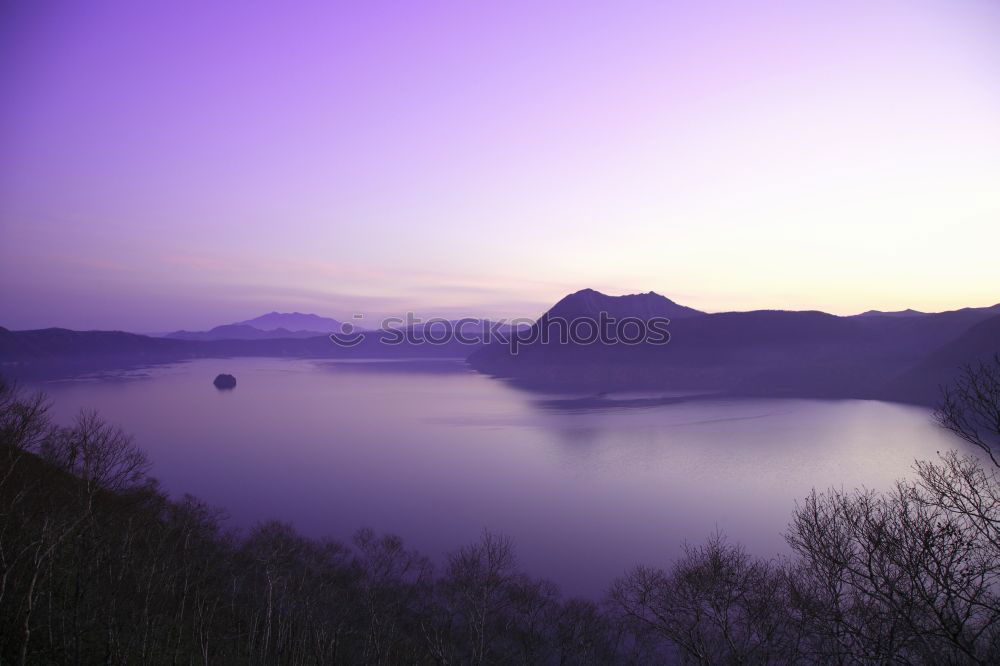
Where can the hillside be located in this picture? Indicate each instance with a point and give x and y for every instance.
(764, 352)
(241, 332)
(292, 321)
(922, 383)
(759, 353)
(588, 302)
(57, 352)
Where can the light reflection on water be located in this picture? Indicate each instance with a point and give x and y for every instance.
(585, 486)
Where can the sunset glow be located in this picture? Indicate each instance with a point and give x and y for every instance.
(191, 165)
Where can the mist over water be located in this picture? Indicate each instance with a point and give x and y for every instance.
(437, 453)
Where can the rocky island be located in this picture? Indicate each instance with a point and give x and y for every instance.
(224, 382)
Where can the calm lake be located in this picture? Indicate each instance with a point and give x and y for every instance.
(435, 453)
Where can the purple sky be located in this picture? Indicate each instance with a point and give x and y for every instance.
(173, 165)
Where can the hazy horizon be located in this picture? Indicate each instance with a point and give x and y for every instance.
(168, 165)
(376, 319)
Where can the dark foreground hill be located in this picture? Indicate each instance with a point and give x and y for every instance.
(760, 353)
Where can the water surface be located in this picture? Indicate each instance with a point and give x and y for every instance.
(436, 453)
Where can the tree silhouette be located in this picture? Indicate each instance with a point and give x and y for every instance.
(970, 408)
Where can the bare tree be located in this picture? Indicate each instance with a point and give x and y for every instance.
(962, 487)
(717, 605)
(24, 419)
(393, 581)
(897, 577)
(477, 578)
(971, 407)
(101, 455)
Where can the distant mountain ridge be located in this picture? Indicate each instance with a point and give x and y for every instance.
(897, 313)
(759, 353)
(582, 303)
(241, 332)
(922, 382)
(292, 321)
(271, 326)
(890, 356)
(59, 352)
(909, 312)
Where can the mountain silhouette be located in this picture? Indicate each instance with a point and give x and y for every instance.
(292, 321)
(759, 353)
(590, 303)
(897, 313)
(242, 332)
(922, 383)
